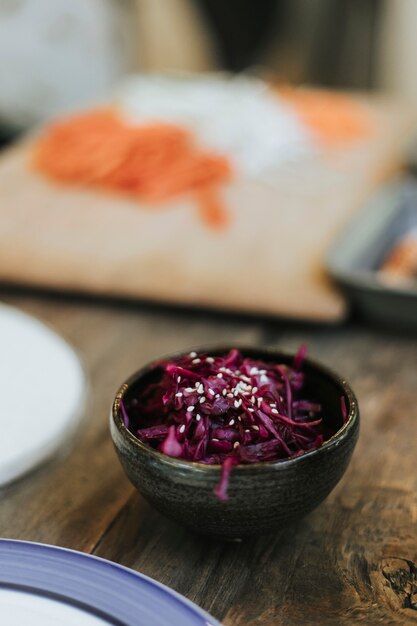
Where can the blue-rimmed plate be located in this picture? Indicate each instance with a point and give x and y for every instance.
(43, 585)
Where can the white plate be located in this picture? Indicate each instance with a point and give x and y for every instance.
(19, 608)
(41, 389)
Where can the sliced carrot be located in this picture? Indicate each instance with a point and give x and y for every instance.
(335, 118)
(154, 162)
(212, 210)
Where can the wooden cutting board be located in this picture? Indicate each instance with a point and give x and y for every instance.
(268, 261)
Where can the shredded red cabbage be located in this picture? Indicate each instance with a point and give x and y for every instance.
(343, 409)
(125, 416)
(227, 410)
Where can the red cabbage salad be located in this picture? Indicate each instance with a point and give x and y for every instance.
(228, 410)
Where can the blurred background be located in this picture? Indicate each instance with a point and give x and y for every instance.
(61, 53)
(300, 146)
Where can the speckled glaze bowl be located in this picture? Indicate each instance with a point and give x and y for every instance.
(262, 497)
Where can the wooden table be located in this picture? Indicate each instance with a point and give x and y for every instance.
(352, 561)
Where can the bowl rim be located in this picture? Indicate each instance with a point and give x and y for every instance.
(347, 429)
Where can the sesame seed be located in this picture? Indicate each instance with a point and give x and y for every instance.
(189, 390)
(217, 395)
(230, 395)
(238, 403)
(245, 378)
(202, 400)
(236, 445)
(211, 392)
(235, 392)
(196, 361)
(247, 430)
(210, 359)
(214, 439)
(239, 418)
(201, 388)
(190, 409)
(260, 400)
(179, 394)
(231, 422)
(253, 371)
(264, 379)
(224, 392)
(182, 428)
(273, 404)
(197, 417)
(262, 371)
(251, 410)
(193, 355)
(220, 375)
(274, 411)
(255, 427)
(254, 389)
(253, 399)
(179, 379)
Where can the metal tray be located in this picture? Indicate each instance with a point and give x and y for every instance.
(355, 257)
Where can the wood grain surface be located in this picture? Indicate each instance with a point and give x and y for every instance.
(352, 561)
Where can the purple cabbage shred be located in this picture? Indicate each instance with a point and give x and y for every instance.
(124, 414)
(343, 409)
(228, 410)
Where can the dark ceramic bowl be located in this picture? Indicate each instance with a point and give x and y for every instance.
(263, 497)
